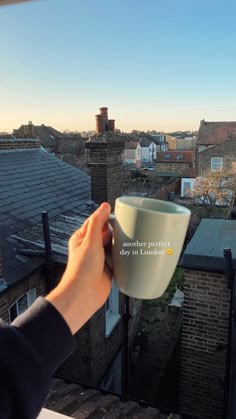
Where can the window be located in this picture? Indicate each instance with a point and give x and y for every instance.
(179, 157)
(112, 309)
(216, 164)
(167, 156)
(22, 304)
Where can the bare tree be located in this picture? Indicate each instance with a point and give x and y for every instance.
(216, 189)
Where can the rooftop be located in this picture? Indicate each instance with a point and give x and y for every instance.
(78, 402)
(205, 250)
(33, 181)
(211, 133)
(176, 156)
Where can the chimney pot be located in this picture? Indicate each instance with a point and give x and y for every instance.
(100, 124)
(111, 124)
(104, 112)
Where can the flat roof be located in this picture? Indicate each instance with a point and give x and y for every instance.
(205, 251)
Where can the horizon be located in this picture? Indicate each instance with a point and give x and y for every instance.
(163, 67)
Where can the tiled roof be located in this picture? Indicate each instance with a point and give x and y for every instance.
(47, 135)
(131, 145)
(211, 133)
(75, 401)
(187, 156)
(145, 143)
(61, 228)
(32, 181)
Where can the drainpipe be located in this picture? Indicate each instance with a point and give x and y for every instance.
(48, 250)
(126, 318)
(231, 355)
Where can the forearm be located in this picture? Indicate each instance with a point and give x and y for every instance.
(31, 349)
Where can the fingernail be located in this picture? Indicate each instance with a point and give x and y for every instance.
(105, 205)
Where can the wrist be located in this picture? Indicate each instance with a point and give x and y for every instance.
(69, 307)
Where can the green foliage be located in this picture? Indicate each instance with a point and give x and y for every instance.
(177, 281)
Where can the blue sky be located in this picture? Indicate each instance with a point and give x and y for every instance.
(157, 64)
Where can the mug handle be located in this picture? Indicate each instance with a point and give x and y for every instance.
(112, 219)
(108, 256)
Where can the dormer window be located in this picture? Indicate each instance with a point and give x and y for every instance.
(167, 156)
(179, 157)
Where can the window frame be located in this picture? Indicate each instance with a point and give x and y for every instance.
(30, 299)
(112, 315)
(213, 164)
(167, 157)
(179, 157)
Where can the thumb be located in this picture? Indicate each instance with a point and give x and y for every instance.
(97, 221)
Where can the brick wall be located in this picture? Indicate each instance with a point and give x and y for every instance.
(71, 150)
(17, 145)
(93, 351)
(9, 296)
(227, 150)
(104, 158)
(172, 187)
(178, 168)
(204, 343)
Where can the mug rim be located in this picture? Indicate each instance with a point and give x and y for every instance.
(124, 200)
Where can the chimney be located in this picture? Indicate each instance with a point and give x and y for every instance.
(100, 124)
(111, 125)
(28, 130)
(104, 159)
(104, 113)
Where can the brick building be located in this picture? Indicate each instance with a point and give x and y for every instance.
(206, 321)
(67, 147)
(216, 146)
(174, 161)
(45, 134)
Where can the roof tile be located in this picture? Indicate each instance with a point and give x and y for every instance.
(211, 133)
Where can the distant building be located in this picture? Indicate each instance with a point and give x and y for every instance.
(174, 161)
(45, 134)
(67, 147)
(215, 146)
(130, 154)
(187, 143)
(171, 142)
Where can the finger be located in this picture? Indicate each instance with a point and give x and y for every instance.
(97, 222)
(106, 234)
(79, 234)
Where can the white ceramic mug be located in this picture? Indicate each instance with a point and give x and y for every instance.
(147, 241)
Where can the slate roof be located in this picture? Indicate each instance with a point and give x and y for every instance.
(32, 181)
(131, 145)
(78, 402)
(211, 133)
(46, 134)
(205, 250)
(145, 143)
(61, 228)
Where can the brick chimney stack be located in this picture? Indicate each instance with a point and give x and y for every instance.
(104, 158)
(111, 125)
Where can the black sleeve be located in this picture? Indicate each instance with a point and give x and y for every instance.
(31, 349)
